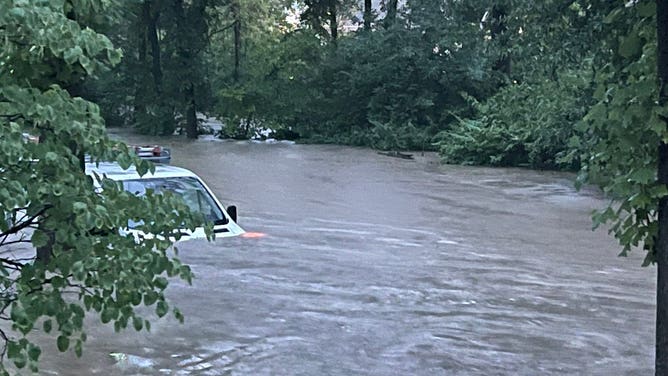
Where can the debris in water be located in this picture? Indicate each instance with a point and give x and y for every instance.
(396, 154)
(131, 361)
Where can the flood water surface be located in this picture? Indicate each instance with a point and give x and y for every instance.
(373, 265)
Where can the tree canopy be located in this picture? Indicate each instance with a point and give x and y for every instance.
(83, 263)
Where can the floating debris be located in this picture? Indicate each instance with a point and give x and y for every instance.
(125, 361)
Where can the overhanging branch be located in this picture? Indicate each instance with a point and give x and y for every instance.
(212, 33)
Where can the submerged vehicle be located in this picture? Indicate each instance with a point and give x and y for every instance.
(182, 182)
(153, 153)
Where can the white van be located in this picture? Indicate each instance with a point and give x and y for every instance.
(181, 182)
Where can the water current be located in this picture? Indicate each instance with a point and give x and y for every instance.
(375, 265)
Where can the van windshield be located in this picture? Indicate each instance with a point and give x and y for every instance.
(189, 188)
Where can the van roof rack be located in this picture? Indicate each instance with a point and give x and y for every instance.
(153, 153)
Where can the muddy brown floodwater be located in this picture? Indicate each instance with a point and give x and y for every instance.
(381, 266)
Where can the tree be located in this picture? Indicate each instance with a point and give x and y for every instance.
(164, 80)
(236, 16)
(320, 12)
(627, 131)
(662, 173)
(368, 15)
(529, 124)
(391, 12)
(534, 119)
(151, 110)
(395, 88)
(245, 67)
(188, 36)
(50, 47)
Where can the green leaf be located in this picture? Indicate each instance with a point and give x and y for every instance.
(643, 175)
(107, 315)
(13, 349)
(39, 239)
(47, 326)
(161, 309)
(78, 348)
(135, 298)
(178, 315)
(20, 362)
(630, 45)
(51, 156)
(150, 298)
(72, 55)
(79, 206)
(612, 16)
(138, 323)
(17, 12)
(88, 301)
(160, 282)
(646, 8)
(63, 343)
(34, 352)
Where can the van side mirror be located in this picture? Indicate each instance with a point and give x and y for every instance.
(232, 212)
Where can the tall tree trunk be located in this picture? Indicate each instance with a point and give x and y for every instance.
(152, 32)
(185, 55)
(191, 111)
(156, 69)
(333, 22)
(498, 30)
(236, 14)
(661, 360)
(140, 83)
(391, 14)
(368, 15)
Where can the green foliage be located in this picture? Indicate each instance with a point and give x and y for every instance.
(390, 89)
(624, 128)
(522, 125)
(162, 72)
(319, 15)
(532, 119)
(274, 57)
(555, 35)
(237, 103)
(48, 50)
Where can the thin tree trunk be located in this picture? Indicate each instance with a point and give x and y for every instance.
(140, 87)
(152, 32)
(191, 112)
(368, 15)
(391, 15)
(333, 22)
(156, 67)
(661, 360)
(498, 30)
(236, 14)
(185, 55)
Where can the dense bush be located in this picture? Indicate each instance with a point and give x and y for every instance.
(522, 125)
(368, 92)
